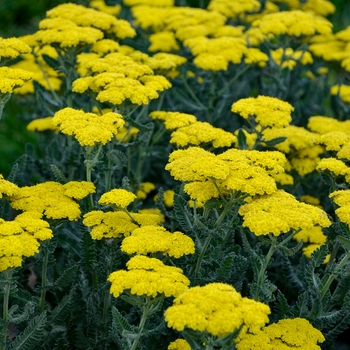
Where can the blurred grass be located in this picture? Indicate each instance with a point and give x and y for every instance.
(20, 17)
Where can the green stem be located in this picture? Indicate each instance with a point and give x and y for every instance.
(5, 310)
(334, 274)
(145, 315)
(241, 72)
(44, 278)
(201, 255)
(228, 206)
(192, 94)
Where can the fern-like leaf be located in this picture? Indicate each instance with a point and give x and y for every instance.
(182, 213)
(32, 335)
(57, 173)
(67, 277)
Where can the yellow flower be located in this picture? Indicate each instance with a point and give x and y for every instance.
(163, 41)
(42, 124)
(11, 78)
(117, 197)
(148, 277)
(173, 120)
(78, 189)
(101, 6)
(255, 56)
(13, 47)
(323, 125)
(103, 47)
(179, 344)
(333, 140)
(295, 23)
(7, 188)
(169, 198)
(157, 3)
(279, 213)
(88, 128)
(267, 111)
(344, 152)
(288, 58)
(153, 239)
(335, 166)
(234, 8)
(295, 333)
(343, 91)
(216, 308)
(51, 199)
(144, 189)
(342, 199)
(20, 238)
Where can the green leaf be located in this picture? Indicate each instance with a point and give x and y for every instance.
(32, 335)
(67, 277)
(63, 309)
(282, 306)
(51, 62)
(142, 127)
(214, 203)
(182, 213)
(242, 140)
(17, 318)
(292, 251)
(344, 242)
(319, 255)
(275, 141)
(57, 173)
(120, 324)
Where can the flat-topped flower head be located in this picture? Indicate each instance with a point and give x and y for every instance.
(234, 8)
(179, 344)
(334, 166)
(101, 6)
(13, 47)
(173, 120)
(279, 213)
(295, 333)
(154, 239)
(52, 199)
(156, 3)
(7, 188)
(333, 140)
(20, 238)
(267, 111)
(216, 308)
(12, 78)
(342, 199)
(148, 277)
(293, 23)
(323, 125)
(88, 128)
(117, 197)
(42, 124)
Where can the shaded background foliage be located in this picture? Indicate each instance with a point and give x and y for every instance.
(21, 17)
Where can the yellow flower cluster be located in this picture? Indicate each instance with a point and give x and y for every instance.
(342, 199)
(88, 128)
(12, 47)
(320, 7)
(101, 6)
(7, 188)
(117, 224)
(293, 23)
(288, 58)
(234, 8)
(179, 344)
(158, 3)
(234, 170)
(118, 77)
(335, 166)
(20, 238)
(12, 78)
(343, 91)
(148, 277)
(190, 132)
(295, 333)
(216, 308)
(279, 213)
(52, 199)
(117, 197)
(144, 189)
(42, 124)
(153, 239)
(333, 140)
(267, 111)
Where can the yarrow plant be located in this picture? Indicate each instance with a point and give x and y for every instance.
(188, 186)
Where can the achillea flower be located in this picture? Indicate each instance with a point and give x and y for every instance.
(164, 41)
(267, 111)
(279, 213)
(335, 166)
(234, 8)
(42, 124)
(156, 3)
(117, 197)
(173, 120)
(323, 125)
(296, 333)
(342, 199)
(13, 47)
(344, 152)
(169, 198)
(216, 308)
(154, 239)
(144, 189)
(288, 58)
(320, 7)
(104, 46)
(20, 238)
(255, 56)
(294, 23)
(52, 199)
(11, 78)
(333, 140)
(88, 128)
(343, 91)
(7, 188)
(101, 6)
(306, 160)
(197, 133)
(88, 17)
(179, 344)
(148, 277)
